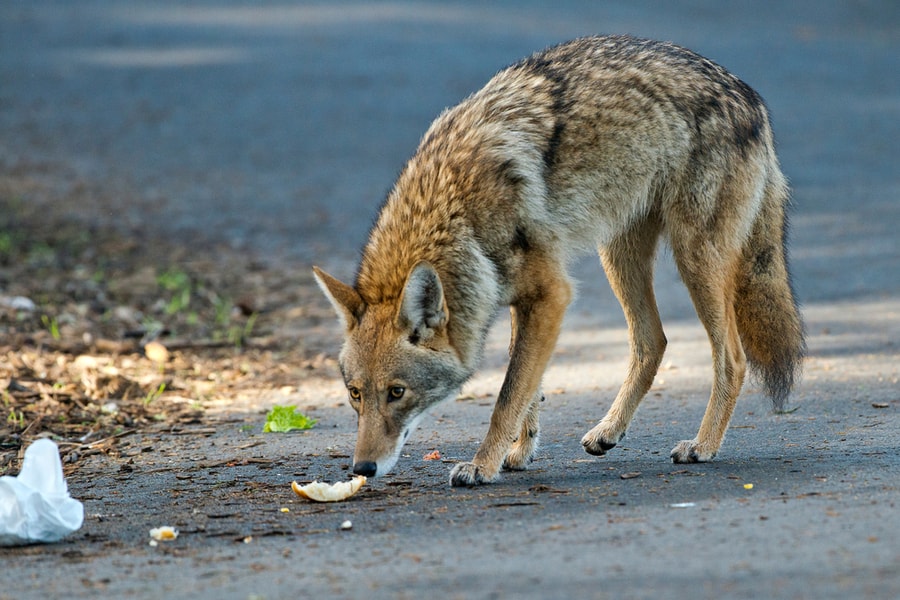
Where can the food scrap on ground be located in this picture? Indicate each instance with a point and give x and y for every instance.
(323, 492)
(164, 533)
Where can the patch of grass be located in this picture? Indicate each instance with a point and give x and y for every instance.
(16, 419)
(238, 334)
(179, 284)
(153, 395)
(41, 254)
(51, 325)
(6, 244)
(12, 245)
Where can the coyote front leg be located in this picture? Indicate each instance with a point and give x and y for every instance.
(526, 445)
(538, 318)
(522, 451)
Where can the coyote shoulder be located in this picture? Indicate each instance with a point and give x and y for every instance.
(605, 143)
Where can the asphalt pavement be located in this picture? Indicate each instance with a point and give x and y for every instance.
(279, 127)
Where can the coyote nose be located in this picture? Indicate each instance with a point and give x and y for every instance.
(366, 468)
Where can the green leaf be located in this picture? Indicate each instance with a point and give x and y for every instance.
(285, 418)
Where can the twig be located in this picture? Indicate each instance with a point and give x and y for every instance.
(198, 431)
(112, 437)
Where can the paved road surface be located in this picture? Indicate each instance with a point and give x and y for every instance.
(279, 128)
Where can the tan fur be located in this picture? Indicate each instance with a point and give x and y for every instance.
(605, 143)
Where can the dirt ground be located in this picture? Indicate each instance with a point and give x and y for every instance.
(82, 302)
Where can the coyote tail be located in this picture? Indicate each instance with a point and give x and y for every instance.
(768, 318)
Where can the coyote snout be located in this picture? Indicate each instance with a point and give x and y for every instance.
(603, 142)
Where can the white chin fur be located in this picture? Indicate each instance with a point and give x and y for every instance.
(386, 464)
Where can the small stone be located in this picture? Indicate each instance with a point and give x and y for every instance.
(18, 303)
(156, 352)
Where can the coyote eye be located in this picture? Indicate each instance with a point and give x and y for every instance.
(354, 393)
(396, 392)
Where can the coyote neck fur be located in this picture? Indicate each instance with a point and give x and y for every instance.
(449, 208)
(448, 243)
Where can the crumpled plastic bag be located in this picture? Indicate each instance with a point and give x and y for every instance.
(36, 506)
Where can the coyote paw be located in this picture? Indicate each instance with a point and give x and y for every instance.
(521, 454)
(469, 474)
(599, 439)
(518, 459)
(689, 451)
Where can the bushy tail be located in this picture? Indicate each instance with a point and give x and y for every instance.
(768, 318)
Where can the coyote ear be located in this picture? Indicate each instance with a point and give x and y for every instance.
(423, 308)
(346, 301)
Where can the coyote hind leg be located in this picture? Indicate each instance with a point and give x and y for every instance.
(711, 285)
(628, 262)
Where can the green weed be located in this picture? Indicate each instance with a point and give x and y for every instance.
(52, 325)
(153, 395)
(238, 334)
(16, 419)
(179, 284)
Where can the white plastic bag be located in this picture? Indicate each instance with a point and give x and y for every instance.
(36, 506)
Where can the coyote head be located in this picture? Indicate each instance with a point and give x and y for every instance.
(397, 361)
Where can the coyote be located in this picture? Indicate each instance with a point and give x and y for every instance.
(600, 143)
